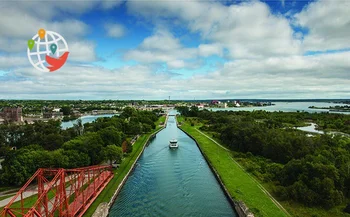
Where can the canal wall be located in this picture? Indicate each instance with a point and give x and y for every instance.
(241, 209)
(103, 209)
(166, 121)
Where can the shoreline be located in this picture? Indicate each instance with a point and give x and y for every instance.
(103, 208)
(268, 205)
(240, 208)
(236, 205)
(120, 186)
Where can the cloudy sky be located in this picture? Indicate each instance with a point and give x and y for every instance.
(152, 49)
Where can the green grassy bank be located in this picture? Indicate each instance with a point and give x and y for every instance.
(239, 183)
(124, 168)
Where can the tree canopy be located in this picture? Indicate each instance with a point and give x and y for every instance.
(45, 144)
(313, 170)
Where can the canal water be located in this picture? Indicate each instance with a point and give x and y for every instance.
(172, 182)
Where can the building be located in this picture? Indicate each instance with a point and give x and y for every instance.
(10, 114)
(200, 106)
(52, 114)
(222, 105)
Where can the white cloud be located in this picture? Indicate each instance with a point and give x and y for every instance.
(21, 20)
(176, 64)
(206, 50)
(115, 30)
(328, 23)
(163, 47)
(274, 77)
(161, 40)
(12, 61)
(50, 9)
(248, 29)
(20, 25)
(81, 81)
(108, 4)
(266, 57)
(82, 51)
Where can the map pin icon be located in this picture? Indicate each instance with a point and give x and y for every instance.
(42, 33)
(53, 48)
(31, 44)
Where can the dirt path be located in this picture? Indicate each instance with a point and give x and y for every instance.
(259, 185)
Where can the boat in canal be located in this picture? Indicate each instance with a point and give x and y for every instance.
(180, 175)
(173, 143)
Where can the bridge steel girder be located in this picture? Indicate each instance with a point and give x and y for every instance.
(62, 192)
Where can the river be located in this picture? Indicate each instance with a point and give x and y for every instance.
(289, 107)
(172, 182)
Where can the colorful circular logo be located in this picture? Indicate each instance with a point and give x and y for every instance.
(47, 51)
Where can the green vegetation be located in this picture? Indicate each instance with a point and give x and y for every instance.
(112, 153)
(325, 121)
(345, 108)
(7, 188)
(45, 144)
(240, 185)
(6, 196)
(34, 107)
(121, 172)
(82, 145)
(160, 121)
(309, 174)
(30, 201)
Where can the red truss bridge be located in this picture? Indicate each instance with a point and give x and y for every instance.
(59, 192)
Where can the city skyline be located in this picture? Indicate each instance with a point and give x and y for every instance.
(183, 49)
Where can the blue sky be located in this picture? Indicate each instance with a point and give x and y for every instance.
(183, 49)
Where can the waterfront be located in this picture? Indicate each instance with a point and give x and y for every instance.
(84, 120)
(279, 106)
(288, 107)
(172, 182)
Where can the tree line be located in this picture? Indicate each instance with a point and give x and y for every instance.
(312, 170)
(27, 147)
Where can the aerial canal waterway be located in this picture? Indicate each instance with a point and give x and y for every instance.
(169, 182)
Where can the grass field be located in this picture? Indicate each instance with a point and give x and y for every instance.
(120, 173)
(160, 121)
(28, 202)
(239, 183)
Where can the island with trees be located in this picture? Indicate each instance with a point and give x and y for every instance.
(337, 108)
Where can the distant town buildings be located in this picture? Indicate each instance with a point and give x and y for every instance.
(200, 105)
(102, 112)
(154, 107)
(219, 104)
(52, 113)
(12, 114)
